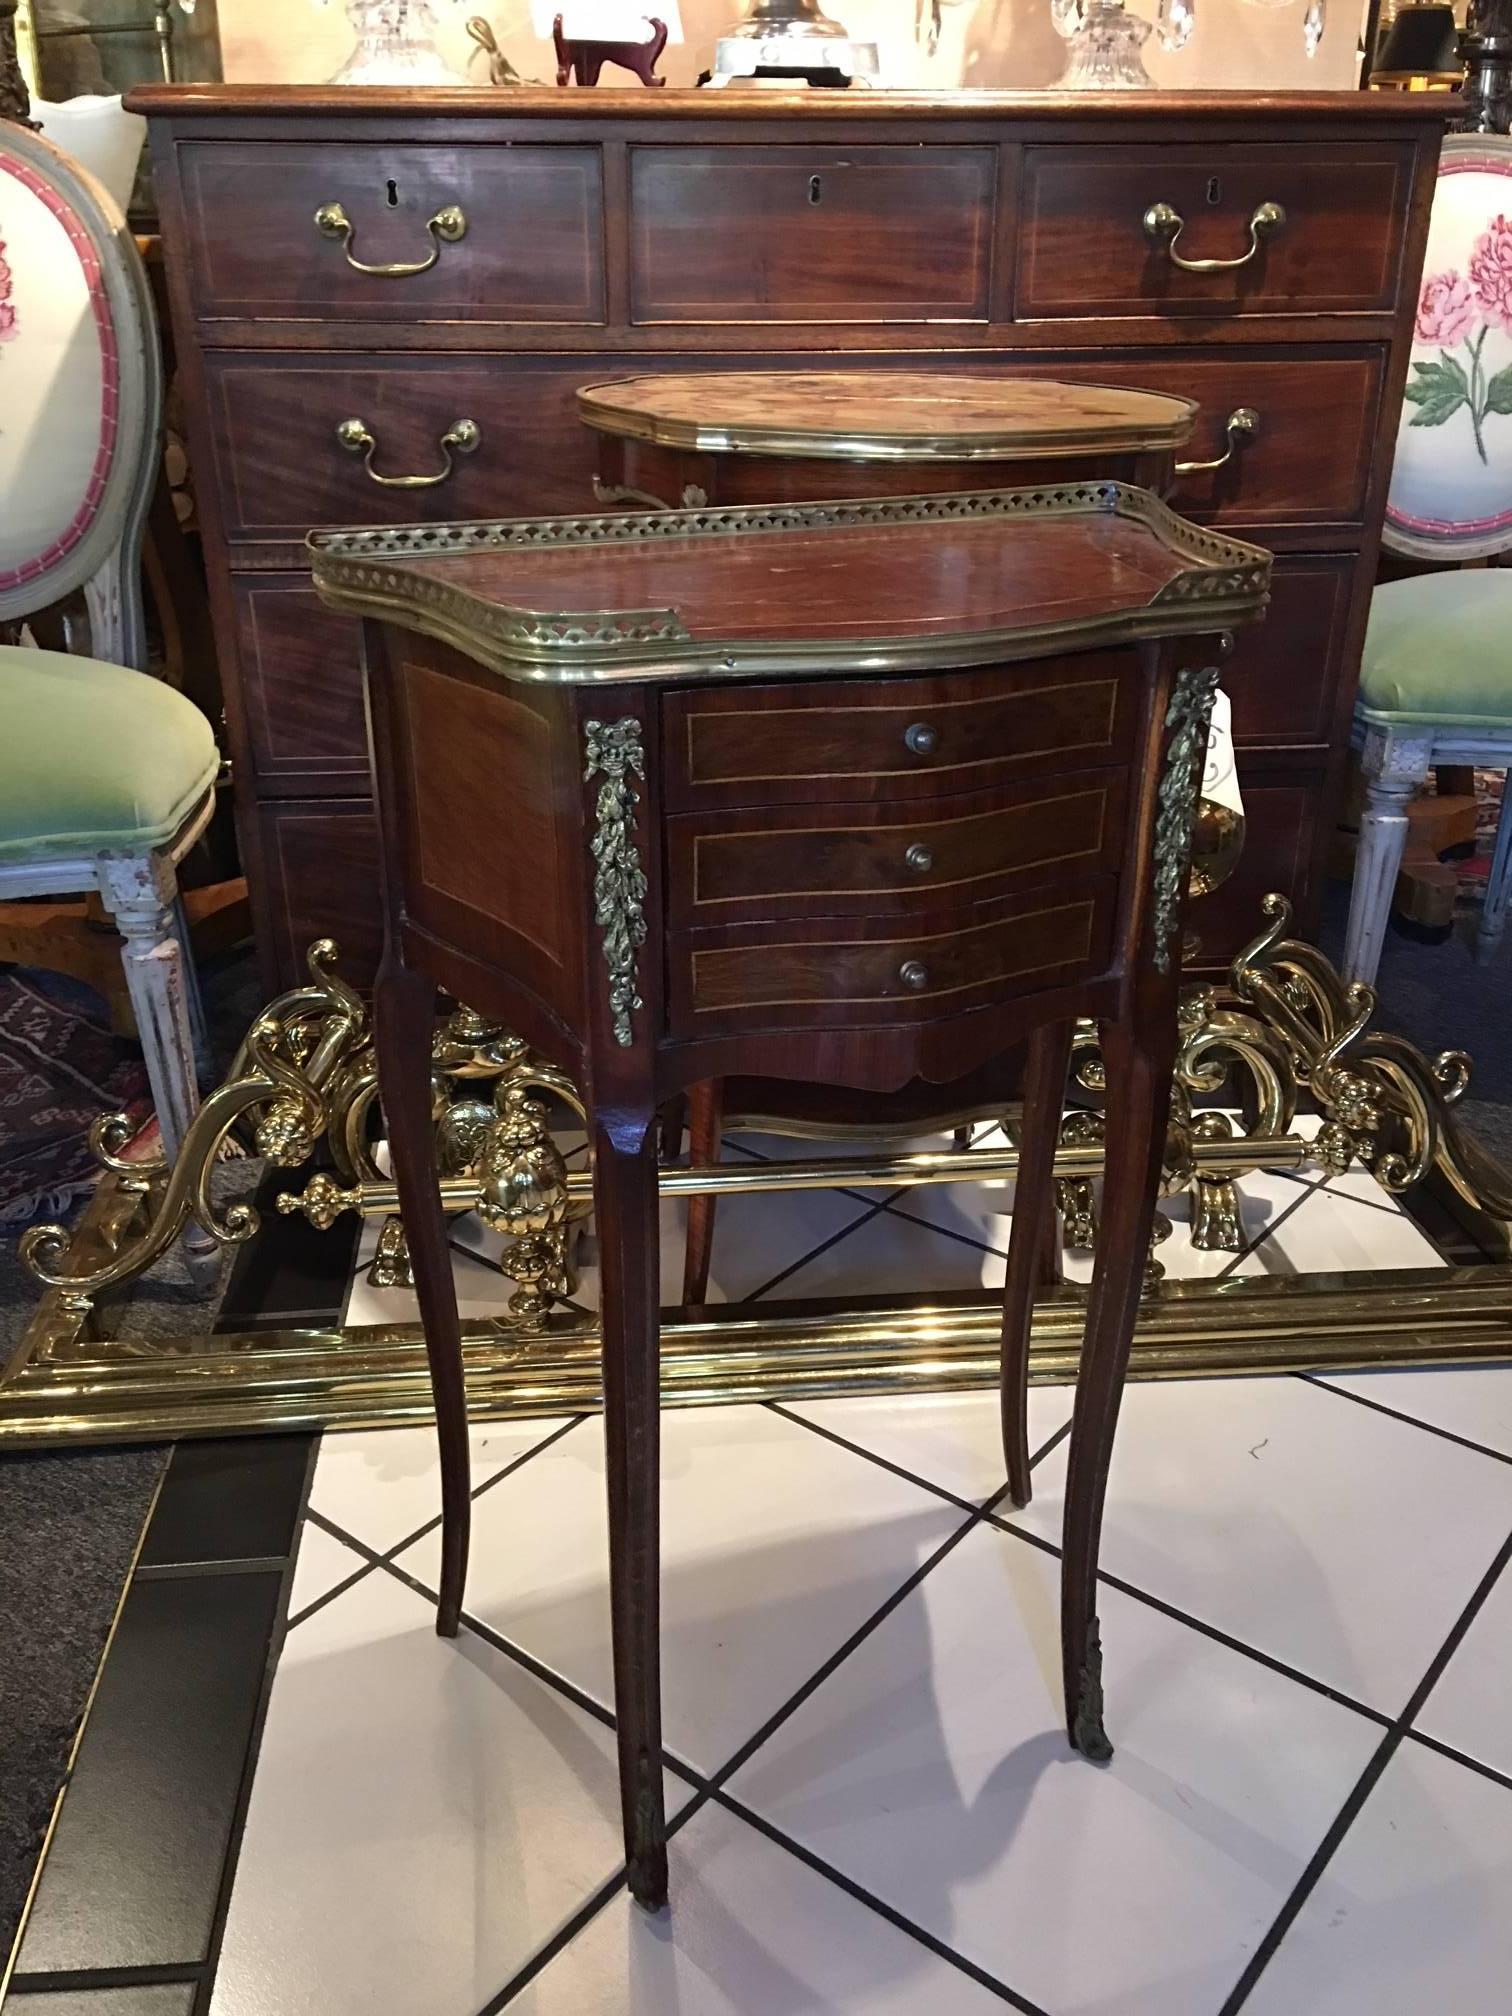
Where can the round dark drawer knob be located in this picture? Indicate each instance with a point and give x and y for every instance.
(921, 739)
(914, 973)
(919, 858)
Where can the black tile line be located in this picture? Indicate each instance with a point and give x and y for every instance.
(1369, 1778)
(857, 1638)
(1412, 1420)
(559, 1940)
(1206, 1630)
(371, 1556)
(898, 1469)
(243, 1797)
(1456, 1756)
(823, 1247)
(76, 1980)
(864, 1896)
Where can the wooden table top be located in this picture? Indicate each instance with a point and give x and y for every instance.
(906, 416)
(803, 589)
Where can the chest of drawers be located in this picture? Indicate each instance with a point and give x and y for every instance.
(529, 243)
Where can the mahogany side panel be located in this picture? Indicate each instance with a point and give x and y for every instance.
(301, 687)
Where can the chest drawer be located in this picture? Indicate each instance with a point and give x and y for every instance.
(1084, 248)
(896, 739)
(507, 234)
(811, 234)
(1307, 462)
(283, 468)
(826, 975)
(849, 860)
(300, 686)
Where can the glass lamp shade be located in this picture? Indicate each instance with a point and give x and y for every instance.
(1423, 41)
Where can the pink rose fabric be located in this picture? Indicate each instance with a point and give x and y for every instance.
(1446, 309)
(1491, 272)
(7, 306)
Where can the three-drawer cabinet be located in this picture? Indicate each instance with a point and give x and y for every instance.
(385, 303)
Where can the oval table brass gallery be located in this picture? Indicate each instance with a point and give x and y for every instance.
(850, 793)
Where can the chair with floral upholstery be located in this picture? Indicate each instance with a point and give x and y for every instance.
(1436, 677)
(106, 774)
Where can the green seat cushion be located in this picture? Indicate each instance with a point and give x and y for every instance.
(1438, 650)
(94, 758)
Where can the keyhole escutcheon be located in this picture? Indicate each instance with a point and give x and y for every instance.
(1214, 190)
(814, 189)
(393, 195)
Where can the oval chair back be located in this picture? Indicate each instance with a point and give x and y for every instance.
(80, 397)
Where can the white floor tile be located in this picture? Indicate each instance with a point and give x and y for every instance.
(1470, 1400)
(383, 1484)
(1410, 1916)
(1468, 1706)
(777, 1544)
(891, 1254)
(1330, 1234)
(954, 1440)
(324, 1562)
(1328, 1535)
(755, 1237)
(932, 1767)
(752, 1932)
(424, 1817)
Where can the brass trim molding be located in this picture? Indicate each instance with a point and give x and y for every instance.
(1226, 582)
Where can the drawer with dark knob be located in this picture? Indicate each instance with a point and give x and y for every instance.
(1168, 229)
(331, 233)
(826, 973)
(811, 234)
(856, 860)
(907, 738)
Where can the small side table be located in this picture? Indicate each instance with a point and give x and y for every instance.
(856, 794)
(778, 437)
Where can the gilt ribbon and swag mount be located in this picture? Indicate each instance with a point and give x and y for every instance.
(614, 751)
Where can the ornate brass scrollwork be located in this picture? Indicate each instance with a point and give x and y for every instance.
(446, 227)
(1242, 425)
(463, 437)
(1165, 225)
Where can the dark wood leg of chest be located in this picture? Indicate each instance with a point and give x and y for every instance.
(1033, 1218)
(1139, 1055)
(626, 1209)
(404, 1005)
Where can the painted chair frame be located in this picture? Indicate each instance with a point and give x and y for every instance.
(139, 890)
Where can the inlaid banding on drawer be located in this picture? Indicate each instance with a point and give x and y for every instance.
(907, 738)
(326, 231)
(856, 860)
(870, 971)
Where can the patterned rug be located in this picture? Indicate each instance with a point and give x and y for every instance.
(60, 1066)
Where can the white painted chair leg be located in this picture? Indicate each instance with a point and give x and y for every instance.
(1395, 766)
(1493, 919)
(141, 894)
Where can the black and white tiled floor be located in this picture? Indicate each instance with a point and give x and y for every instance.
(1308, 1628)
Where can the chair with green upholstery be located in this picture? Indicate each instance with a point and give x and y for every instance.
(1436, 677)
(1435, 687)
(106, 774)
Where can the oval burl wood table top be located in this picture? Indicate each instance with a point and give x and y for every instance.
(904, 416)
(868, 586)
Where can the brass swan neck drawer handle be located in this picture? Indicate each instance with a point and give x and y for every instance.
(462, 437)
(1165, 225)
(1242, 425)
(446, 227)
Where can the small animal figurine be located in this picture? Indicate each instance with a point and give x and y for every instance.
(588, 58)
